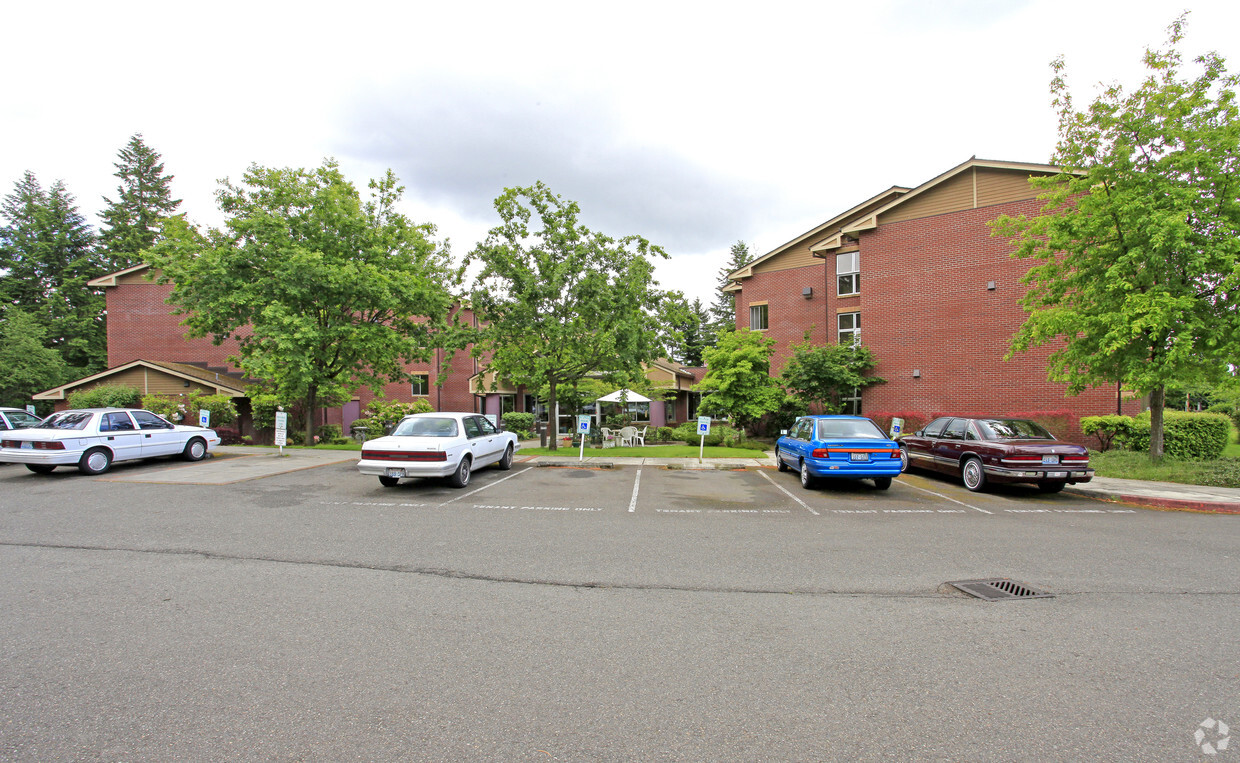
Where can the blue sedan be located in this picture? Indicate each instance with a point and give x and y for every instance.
(838, 447)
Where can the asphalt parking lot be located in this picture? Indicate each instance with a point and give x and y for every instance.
(252, 607)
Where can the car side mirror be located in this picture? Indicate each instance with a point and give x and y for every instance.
(920, 432)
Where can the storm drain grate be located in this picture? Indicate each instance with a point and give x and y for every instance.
(1000, 589)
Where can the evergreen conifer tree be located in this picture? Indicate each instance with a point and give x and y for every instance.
(144, 199)
(723, 309)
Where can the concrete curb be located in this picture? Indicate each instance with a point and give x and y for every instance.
(1157, 502)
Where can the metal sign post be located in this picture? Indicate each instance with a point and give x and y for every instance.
(703, 430)
(583, 427)
(281, 430)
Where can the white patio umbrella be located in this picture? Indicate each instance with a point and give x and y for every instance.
(628, 395)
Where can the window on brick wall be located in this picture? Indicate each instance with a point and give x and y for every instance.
(849, 328)
(421, 385)
(848, 273)
(758, 317)
(852, 403)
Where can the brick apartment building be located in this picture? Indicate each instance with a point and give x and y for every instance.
(148, 349)
(915, 274)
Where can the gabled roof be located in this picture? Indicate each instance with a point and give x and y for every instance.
(842, 229)
(870, 221)
(825, 228)
(111, 278)
(225, 383)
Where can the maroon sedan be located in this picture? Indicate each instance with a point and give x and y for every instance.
(985, 450)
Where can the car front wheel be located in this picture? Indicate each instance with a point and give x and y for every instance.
(807, 479)
(973, 474)
(460, 478)
(95, 461)
(779, 462)
(903, 460)
(195, 449)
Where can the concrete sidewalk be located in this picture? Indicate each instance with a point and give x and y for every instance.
(1161, 495)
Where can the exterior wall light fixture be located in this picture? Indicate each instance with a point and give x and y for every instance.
(916, 373)
(808, 292)
(990, 286)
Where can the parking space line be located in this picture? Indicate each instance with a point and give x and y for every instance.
(484, 487)
(790, 495)
(940, 495)
(636, 484)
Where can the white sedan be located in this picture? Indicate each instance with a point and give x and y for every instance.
(438, 445)
(93, 438)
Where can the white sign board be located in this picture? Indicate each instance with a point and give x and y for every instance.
(491, 417)
(583, 424)
(897, 426)
(281, 429)
(204, 418)
(703, 425)
(30, 410)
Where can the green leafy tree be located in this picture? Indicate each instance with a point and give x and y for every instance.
(723, 310)
(27, 365)
(820, 375)
(738, 379)
(559, 301)
(143, 201)
(1136, 276)
(324, 292)
(47, 256)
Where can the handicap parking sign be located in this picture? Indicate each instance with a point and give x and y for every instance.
(703, 425)
(583, 424)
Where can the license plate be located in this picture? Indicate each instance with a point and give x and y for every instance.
(1056, 474)
(27, 446)
(396, 472)
(859, 456)
(1050, 460)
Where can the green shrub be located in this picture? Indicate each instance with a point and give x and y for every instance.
(171, 408)
(1113, 430)
(106, 396)
(381, 415)
(331, 434)
(223, 409)
(720, 434)
(518, 422)
(663, 434)
(1186, 436)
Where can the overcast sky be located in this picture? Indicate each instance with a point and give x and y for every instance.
(692, 124)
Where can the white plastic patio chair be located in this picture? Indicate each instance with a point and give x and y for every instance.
(627, 435)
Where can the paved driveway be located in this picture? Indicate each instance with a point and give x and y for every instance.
(614, 614)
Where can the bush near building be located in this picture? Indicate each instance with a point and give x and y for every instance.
(1188, 436)
(106, 396)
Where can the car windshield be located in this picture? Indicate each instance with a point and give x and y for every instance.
(834, 429)
(1013, 429)
(426, 427)
(66, 420)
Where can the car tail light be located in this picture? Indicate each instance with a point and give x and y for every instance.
(895, 453)
(1075, 460)
(53, 445)
(10, 444)
(821, 453)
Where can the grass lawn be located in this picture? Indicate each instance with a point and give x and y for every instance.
(650, 451)
(1225, 472)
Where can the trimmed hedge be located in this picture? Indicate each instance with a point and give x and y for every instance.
(1112, 431)
(518, 422)
(1186, 436)
(106, 396)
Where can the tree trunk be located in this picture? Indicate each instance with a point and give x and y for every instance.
(553, 415)
(1158, 398)
(312, 394)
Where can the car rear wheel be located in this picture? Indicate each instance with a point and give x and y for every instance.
(1051, 487)
(505, 463)
(973, 474)
(460, 478)
(95, 461)
(387, 481)
(40, 468)
(882, 483)
(807, 479)
(195, 449)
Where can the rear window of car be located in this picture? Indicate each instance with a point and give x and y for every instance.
(831, 429)
(1013, 429)
(21, 419)
(66, 420)
(426, 427)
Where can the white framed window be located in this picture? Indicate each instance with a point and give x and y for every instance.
(421, 385)
(849, 328)
(848, 273)
(758, 317)
(852, 403)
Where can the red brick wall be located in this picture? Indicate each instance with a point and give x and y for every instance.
(141, 326)
(925, 305)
